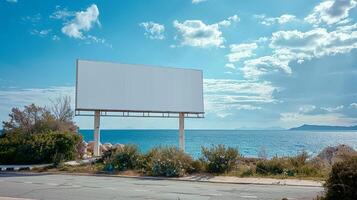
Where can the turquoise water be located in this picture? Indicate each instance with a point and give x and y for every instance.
(281, 143)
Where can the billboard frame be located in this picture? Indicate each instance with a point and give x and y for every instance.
(110, 113)
(97, 113)
(192, 114)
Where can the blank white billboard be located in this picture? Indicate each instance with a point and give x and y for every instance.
(124, 87)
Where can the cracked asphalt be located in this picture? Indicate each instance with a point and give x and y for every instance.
(72, 187)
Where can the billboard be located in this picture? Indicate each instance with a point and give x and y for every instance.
(137, 88)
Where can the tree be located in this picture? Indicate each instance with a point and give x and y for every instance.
(38, 134)
(30, 120)
(63, 113)
(35, 119)
(61, 109)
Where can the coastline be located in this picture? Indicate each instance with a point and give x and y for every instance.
(249, 142)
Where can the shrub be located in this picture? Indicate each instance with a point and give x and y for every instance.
(318, 197)
(289, 166)
(300, 165)
(168, 161)
(308, 170)
(247, 172)
(219, 159)
(242, 170)
(51, 147)
(299, 160)
(197, 166)
(122, 158)
(270, 167)
(342, 181)
(40, 135)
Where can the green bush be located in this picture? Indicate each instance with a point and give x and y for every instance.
(299, 160)
(270, 167)
(168, 161)
(342, 181)
(299, 165)
(197, 166)
(288, 166)
(219, 159)
(51, 147)
(308, 170)
(122, 158)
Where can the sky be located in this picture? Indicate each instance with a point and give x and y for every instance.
(266, 64)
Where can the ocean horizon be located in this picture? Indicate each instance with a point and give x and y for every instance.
(249, 142)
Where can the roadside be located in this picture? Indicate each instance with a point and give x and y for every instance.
(89, 167)
(190, 178)
(59, 186)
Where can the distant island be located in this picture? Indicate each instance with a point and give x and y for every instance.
(323, 127)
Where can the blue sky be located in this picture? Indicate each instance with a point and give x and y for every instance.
(266, 64)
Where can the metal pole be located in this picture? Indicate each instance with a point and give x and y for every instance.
(96, 133)
(182, 131)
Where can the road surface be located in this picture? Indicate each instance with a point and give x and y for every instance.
(65, 187)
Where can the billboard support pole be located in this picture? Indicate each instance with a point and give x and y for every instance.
(96, 150)
(182, 131)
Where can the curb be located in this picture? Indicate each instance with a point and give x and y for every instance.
(14, 168)
(31, 167)
(164, 178)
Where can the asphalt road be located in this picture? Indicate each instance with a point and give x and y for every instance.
(70, 187)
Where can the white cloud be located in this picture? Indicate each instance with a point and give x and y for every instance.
(297, 119)
(298, 46)
(330, 12)
(41, 33)
(307, 115)
(224, 97)
(262, 40)
(34, 19)
(315, 43)
(94, 39)
(283, 19)
(56, 38)
(239, 51)
(230, 66)
(153, 30)
(254, 68)
(353, 105)
(294, 45)
(227, 22)
(83, 21)
(198, 1)
(63, 14)
(198, 34)
(333, 109)
(299, 40)
(306, 109)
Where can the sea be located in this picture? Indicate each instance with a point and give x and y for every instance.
(250, 143)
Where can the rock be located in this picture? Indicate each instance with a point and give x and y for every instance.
(118, 146)
(103, 147)
(106, 147)
(331, 155)
(108, 144)
(81, 149)
(90, 147)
